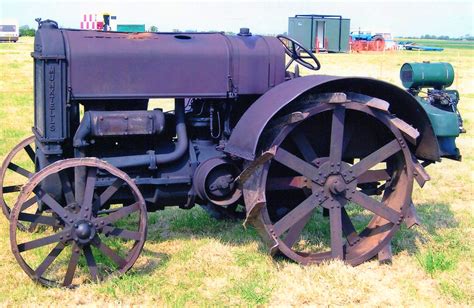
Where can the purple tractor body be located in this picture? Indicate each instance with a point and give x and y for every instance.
(247, 139)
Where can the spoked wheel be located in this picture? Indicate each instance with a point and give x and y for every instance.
(17, 168)
(333, 163)
(85, 234)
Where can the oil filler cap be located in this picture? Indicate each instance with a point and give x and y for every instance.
(48, 24)
(244, 32)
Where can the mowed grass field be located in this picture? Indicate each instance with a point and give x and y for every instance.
(191, 259)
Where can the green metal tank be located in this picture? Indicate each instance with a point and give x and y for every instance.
(131, 28)
(427, 75)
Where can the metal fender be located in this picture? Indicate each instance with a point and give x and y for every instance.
(245, 136)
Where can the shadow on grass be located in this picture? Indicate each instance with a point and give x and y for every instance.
(434, 217)
(172, 224)
(438, 245)
(155, 260)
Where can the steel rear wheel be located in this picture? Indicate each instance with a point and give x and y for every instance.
(85, 235)
(16, 169)
(333, 163)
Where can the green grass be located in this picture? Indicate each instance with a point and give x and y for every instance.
(191, 259)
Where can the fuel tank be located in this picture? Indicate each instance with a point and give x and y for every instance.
(438, 75)
(107, 65)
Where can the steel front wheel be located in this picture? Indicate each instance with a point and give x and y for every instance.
(17, 168)
(87, 236)
(345, 160)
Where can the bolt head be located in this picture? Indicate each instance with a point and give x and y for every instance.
(84, 231)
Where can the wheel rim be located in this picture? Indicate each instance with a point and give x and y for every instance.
(89, 240)
(17, 168)
(330, 183)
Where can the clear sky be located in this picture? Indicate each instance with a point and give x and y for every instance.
(402, 18)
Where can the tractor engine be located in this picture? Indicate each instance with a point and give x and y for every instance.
(112, 76)
(439, 103)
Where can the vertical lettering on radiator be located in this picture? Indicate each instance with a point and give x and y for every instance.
(52, 106)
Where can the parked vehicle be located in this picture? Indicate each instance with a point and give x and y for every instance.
(9, 30)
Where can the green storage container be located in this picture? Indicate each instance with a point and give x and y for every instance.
(320, 32)
(131, 28)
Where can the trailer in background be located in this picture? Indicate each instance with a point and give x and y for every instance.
(9, 30)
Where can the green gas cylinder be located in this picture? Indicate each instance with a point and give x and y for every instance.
(437, 75)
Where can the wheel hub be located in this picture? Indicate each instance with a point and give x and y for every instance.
(331, 178)
(335, 184)
(84, 231)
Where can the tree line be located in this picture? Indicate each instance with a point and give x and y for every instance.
(466, 37)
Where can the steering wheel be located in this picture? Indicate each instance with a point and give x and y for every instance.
(293, 49)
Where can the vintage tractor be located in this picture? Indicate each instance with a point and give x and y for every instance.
(322, 166)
